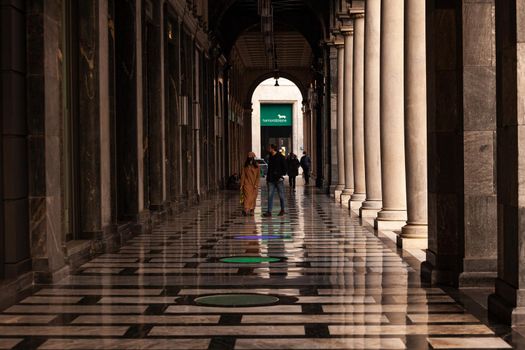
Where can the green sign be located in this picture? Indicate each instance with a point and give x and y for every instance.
(276, 114)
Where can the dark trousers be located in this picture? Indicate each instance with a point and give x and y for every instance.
(306, 173)
(279, 188)
(292, 181)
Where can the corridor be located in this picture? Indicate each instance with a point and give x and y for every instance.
(314, 279)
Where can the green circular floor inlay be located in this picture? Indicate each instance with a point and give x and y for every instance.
(237, 300)
(249, 259)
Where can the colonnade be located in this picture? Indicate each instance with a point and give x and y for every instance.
(381, 116)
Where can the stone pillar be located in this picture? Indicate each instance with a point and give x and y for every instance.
(154, 110)
(197, 115)
(508, 302)
(348, 34)
(89, 120)
(340, 121)
(334, 166)
(414, 233)
(393, 213)
(14, 180)
(359, 194)
(138, 113)
(129, 110)
(479, 144)
(445, 145)
(373, 203)
(106, 115)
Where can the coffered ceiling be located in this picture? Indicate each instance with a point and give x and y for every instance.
(292, 50)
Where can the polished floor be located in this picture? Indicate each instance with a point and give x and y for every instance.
(332, 285)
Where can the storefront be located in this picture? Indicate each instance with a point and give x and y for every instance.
(276, 126)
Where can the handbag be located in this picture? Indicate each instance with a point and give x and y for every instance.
(242, 197)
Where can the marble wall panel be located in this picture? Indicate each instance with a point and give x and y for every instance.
(89, 120)
(14, 236)
(479, 163)
(479, 100)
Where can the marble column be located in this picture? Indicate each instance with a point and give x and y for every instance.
(332, 115)
(105, 60)
(414, 233)
(348, 34)
(154, 111)
(508, 302)
(340, 121)
(334, 171)
(127, 85)
(393, 213)
(373, 202)
(359, 194)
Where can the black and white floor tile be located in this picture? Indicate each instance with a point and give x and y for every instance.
(336, 286)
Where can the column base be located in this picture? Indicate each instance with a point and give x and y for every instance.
(368, 213)
(48, 277)
(10, 288)
(390, 220)
(413, 236)
(443, 275)
(412, 243)
(479, 272)
(502, 304)
(369, 209)
(388, 225)
(356, 201)
(345, 199)
(477, 279)
(337, 196)
(355, 205)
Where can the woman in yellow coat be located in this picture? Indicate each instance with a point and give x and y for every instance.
(250, 178)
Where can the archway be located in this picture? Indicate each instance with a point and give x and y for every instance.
(277, 116)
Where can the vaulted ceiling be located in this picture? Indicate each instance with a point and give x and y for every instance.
(299, 27)
(292, 49)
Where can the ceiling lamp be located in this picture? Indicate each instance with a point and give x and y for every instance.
(265, 8)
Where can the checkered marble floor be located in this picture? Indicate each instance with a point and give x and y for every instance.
(338, 287)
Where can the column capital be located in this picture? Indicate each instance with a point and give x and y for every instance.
(345, 20)
(329, 42)
(337, 39)
(358, 15)
(347, 30)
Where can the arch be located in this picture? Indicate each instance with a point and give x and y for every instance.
(292, 135)
(251, 89)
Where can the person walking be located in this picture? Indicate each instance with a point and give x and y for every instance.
(250, 178)
(306, 164)
(293, 165)
(275, 179)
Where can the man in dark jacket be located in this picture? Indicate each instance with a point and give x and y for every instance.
(306, 164)
(275, 179)
(293, 169)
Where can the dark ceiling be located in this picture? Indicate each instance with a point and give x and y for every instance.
(296, 23)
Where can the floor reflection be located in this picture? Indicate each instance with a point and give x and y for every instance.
(313, 279)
